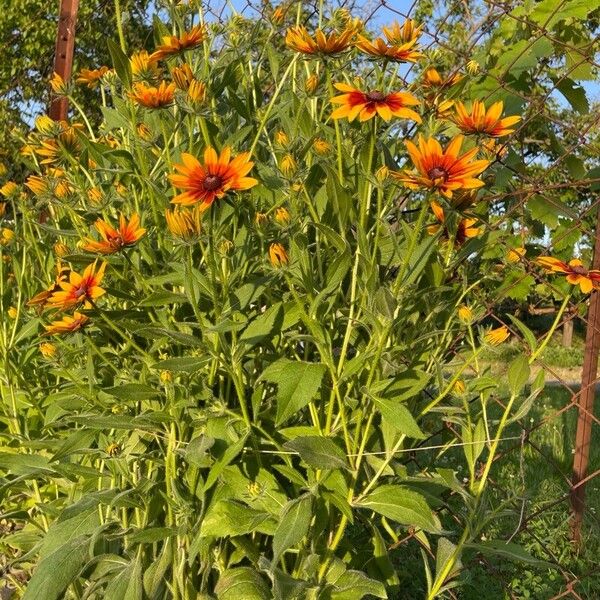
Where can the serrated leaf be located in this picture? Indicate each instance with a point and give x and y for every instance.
(318, 452)
(297, 383)
(231, 518)
(399, 417)
(265, 325)
(242, 582)
(293, 526)
(402, 505)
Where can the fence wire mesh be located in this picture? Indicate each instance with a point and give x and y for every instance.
(527, 54)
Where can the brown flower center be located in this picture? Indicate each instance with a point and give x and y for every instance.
(438, 173)
(375, 96)
(212, 183)
(578, 270)
(81, 291)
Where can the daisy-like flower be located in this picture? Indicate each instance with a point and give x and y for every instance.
(47, 349)
(185, 225)
(288, 165)
(143, 66)
(465, 229)
(182, 76)
(9, 188)
(41, 299)
(298, 39)
(514, 255)
(68, 324)
(91, 77)
(481, 121)
(153, 97)
(213, 179)
(172, 45)
(494, 337)
(400, 44)
(435, 82)
(58, 85)
(442, 170)
(114, 240)
(196, 93)
(282, 215)
(59, 148)
(41, 186)
(321, 146)
(79, 289)
(366, 105)
(465, 314)
(278, 255)
(575, 272)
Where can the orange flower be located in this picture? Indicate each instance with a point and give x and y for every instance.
(464, 230)
(401, 43)
(481, 121)
(185, 225)
(204, 183)
(278, 255)
(115, 240)
(494, 337)
(90, 77)
(174, 45)
(68, 324)
(143, 66)
(576, 273)
(298, 39)
(442, 170)
(80, 289)
(61, 148)
(366, 105)
(182, 76)
(434, 81)
(41, 299)
(153, 97)
(514, 255)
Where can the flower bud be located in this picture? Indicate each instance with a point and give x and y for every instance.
(288, 165)
(278, 255)
(282, 215)
(61, 249)
(311, 84)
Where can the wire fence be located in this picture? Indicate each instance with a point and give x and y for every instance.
(550, 454)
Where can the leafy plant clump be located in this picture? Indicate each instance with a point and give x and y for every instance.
(236, 313)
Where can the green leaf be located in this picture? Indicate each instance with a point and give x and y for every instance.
(509, 550)
(355, 585)
(293, 526)
(55, 573)
(518, 374)
(265, 325)
(232, 451)
(242, 583)
(574, 94)
(186, 364)
(132, 391)
(318, 452)
(297, 381)
(24, 464)
(120, 63)
(397, 415)
(402, 505)
(61, 532)
(231, 518)
(163, 298)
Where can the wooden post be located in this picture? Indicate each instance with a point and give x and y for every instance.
(585, 401)
(63, 56)
(567, 333)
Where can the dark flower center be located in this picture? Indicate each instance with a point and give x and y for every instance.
(438, 173)
(579, 270)
(212, 182)
(375, 96)
(81, 291)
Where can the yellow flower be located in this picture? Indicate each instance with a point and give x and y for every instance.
(68, 324)
(113, 450)
(61, 249)
(278, 255)
(196, 93)
(459, 387)
(281, 138)
(311, 84)
(514, 255)
(3, 169)
(465, 314)
(473, 67)
(182, 76)
(144, 132)
(57, 83)
(174, 45)
(2, 208)
(278, 15)
(91, 77)
(153, 97)
(298, 39)
(261, 219)
(494, 337)
(47, 349)
(13, 313)
(185, 224)
(6, 235)
(143, 66)
(282, 216)
(166, 376)
(94, 195)
(321, 146)
(8, 189)
(288, 165)
(44, 124)
(382, 174)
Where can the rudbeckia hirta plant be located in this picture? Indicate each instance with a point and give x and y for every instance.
(219, 174)
(443, 170)
(575, 272)
(172, 45)
(79, 289)
(299, 39)
(481, 121)
(365, 105)
(114, 240)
